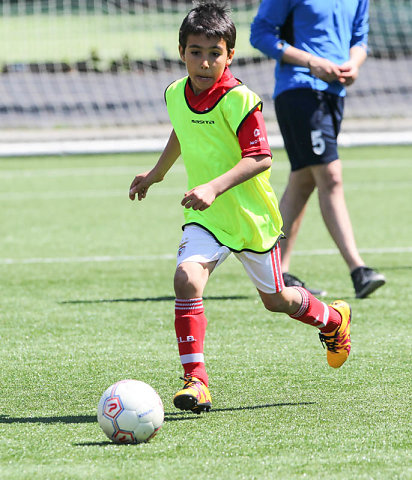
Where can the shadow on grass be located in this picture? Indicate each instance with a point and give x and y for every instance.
(169, 416)
(179, 416)
(152, 299)
(107, 443)
(69, 419)
(250, 407)
(77, 419)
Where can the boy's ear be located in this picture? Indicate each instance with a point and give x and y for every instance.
(182, 53)
(230, 56)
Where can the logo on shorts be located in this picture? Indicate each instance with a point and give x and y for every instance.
(182, 247)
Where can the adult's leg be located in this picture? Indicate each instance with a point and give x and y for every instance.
(292, 207)
(334, 211)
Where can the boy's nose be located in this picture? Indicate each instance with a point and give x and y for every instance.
(205, 64)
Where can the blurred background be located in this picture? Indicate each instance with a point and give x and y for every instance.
(96, 70)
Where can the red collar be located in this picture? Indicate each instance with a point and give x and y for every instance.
(209, 97)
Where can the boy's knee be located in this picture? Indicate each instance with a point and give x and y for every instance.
(187, 283)
(182, 279)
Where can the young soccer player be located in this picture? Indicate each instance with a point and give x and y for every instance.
(229, 206)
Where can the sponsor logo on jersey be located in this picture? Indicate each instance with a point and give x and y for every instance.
(258, 140)
(258, 137)
(203, 122)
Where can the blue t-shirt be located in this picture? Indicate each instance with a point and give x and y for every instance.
(324, 28)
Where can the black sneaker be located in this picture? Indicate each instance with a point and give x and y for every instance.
(366, 280)
(292, 281)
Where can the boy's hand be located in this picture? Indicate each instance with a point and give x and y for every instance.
(199, 198)
(140, 186)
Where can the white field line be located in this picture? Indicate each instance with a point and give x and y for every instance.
(80, 172)
(159, 191)
(391, 163)
(91, 259)
(130, 145)
(138, 258)
(15, 196)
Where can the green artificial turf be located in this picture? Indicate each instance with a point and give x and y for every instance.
(87, 299)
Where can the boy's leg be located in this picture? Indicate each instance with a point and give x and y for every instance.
(333, 320)
(198, 255)
(190, 320)
(190, 327)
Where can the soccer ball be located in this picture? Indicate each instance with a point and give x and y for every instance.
(130, 411)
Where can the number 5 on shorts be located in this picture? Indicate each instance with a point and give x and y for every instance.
(318, 144)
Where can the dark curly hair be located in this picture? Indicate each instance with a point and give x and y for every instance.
(211, 19)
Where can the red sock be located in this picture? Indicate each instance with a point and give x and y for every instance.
(190, 326)
(314, 312)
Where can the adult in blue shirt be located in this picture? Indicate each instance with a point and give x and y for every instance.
(319, 47)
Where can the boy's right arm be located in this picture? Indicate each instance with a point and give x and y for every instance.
(143, 181)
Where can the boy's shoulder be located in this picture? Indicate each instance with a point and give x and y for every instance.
(228, 97)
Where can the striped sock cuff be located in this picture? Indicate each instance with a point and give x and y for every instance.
(192, 358)
(325, 316)
(189, 306)
(305, 302)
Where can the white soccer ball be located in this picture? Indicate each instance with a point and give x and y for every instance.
(130, 411)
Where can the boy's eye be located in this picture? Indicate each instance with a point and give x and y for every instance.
(197, 53)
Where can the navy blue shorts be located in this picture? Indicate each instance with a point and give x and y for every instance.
(309, 121)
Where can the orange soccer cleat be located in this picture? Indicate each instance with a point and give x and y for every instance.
(338, 342)
(194, 396)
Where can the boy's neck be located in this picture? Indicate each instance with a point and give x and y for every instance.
(224, 75)
(208, 98)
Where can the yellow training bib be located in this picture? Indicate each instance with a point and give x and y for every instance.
(245, 217)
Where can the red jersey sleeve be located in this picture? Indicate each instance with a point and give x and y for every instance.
(253, 139)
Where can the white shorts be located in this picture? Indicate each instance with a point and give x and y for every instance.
(264, 269)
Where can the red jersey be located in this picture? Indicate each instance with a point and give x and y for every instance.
(252, 134)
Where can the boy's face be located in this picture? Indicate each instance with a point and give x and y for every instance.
(205, 59)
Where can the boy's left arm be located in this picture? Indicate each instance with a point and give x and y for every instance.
(202, 196)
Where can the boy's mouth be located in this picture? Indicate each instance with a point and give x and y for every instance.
(202, 78)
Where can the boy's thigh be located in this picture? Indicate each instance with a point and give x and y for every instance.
(264, 269)
(309, 121)
(198, 245)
